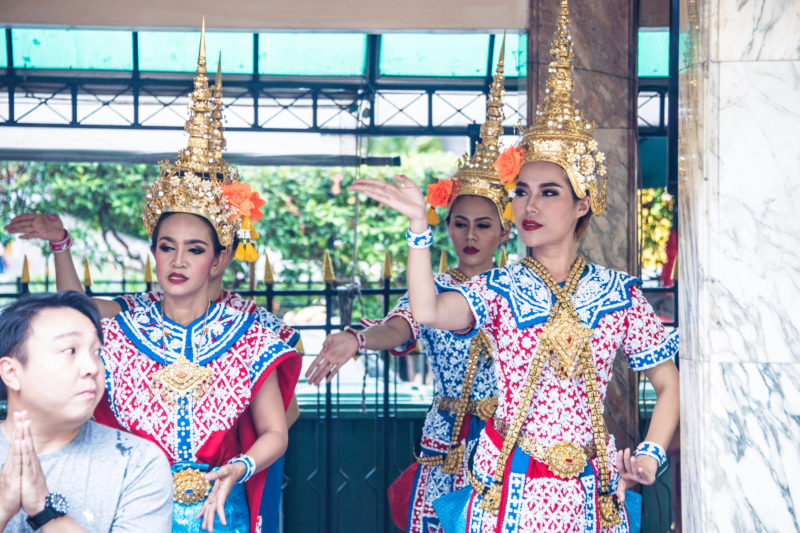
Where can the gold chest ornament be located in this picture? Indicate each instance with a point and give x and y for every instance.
(181, 378)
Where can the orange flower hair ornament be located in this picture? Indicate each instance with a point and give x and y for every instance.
(508, 165)
(248, 204)
(439, 195)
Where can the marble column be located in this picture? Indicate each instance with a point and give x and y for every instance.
(739, 197)
(604, 36)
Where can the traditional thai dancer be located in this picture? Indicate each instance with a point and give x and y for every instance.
(462, 368)
(205, 382)
(50, 227)
(545, 462)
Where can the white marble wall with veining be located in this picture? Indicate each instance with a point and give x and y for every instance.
(739, 201)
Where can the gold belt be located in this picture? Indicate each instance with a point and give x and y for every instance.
(451, 460)
(484, 408)
(190, 486)
(564, 459)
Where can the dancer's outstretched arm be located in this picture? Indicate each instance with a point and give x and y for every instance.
(50, 228)
(340, 347)
(448, 310)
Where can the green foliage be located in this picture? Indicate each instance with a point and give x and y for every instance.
(308, 209)
(106, 197)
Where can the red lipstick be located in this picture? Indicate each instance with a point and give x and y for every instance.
(530, 225)
(471, 250)
(177, 278)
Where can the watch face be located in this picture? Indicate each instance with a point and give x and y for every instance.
(57, 502)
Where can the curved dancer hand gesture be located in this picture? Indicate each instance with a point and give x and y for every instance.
(337, 349)
(403, 196)
(224, 478)
(633, 470)
(37, 226)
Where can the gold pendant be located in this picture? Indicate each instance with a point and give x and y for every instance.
(566, 337)
(609, 511)
(183, 378)
(486, 407)
(452, 463)
(190, 486)
(566, 459)
(491, 500)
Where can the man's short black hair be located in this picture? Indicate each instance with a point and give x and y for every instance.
(15, 321)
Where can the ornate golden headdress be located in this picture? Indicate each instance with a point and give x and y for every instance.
(200, 181)
(476, 174)
(561, 134)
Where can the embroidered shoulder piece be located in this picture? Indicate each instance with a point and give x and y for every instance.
(232, 299)
(284, 331)
(139, 299)
(600, 291)
(143, 326)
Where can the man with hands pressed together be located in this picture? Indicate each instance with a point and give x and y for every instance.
(62, 472)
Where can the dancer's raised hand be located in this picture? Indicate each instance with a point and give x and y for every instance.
(403, 196)
(37, 226)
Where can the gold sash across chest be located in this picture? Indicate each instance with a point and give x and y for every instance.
(480, 345)
(565, 342)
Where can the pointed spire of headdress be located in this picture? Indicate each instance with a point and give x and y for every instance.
(476, 174)
(192, 183)
(561, 134)
(216, 144)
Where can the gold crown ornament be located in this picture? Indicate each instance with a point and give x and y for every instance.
(200, 181)
(476, 174)
(561, 134)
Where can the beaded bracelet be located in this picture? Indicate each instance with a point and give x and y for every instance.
(249, 464)
(360, 339)
(651, 449)
(61, 246)
(419, 240)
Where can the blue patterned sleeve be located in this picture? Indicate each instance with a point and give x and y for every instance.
(647, 343)
(470, 292)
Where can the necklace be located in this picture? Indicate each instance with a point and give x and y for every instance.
(181, 378)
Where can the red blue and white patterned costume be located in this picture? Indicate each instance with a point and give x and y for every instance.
(448, 353)
(512, 305)
(287, 334)
(218, 425)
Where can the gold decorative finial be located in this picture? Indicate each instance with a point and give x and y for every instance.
(269, 276)
(503, 258)
(87, 273)
(387, 265)
(443, 262)
(327, 268)
(476, 174)
(202, 53)
(148, 270)
(561, 134)
(192, 183)
(26, 274)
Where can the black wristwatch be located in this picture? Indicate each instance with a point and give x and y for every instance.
(55, 506)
